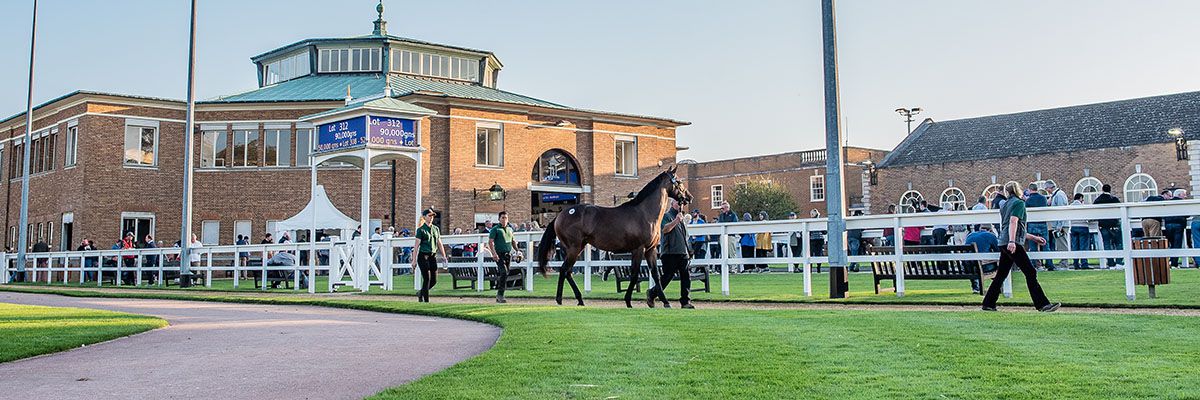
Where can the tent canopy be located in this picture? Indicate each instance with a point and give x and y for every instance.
(327, 216)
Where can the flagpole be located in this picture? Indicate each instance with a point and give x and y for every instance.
(185, 241)
(835, 198)
(23, 237)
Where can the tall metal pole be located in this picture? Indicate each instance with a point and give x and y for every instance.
(185, 240)
(835, 198)
(23, 237)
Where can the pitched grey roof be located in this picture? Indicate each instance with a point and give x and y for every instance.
(1093, 126)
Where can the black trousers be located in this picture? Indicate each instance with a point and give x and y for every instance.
(1021, 260)
(748, 252)
(676, 264)
(427, 263)
(939, 236)
(503, 262)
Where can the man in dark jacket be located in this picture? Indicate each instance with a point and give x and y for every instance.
(726, 215)
(674, 253)
(1110, 229)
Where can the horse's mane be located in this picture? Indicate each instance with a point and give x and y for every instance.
(648, 190)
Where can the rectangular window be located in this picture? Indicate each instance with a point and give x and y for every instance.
(242, 228)
(245, 148)
(350, 60)
(489, 145)
(626, 157)
(417, 63)
(816, 187)
(214, 153)
(718, 196)
(303, 146)
(140, 223)
(210, 233)
(141, 143)
(286, 68)
(72, 152)
(277, 147)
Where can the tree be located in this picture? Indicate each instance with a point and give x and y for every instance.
(762, 196)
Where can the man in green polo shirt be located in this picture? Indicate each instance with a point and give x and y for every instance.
(500, 242)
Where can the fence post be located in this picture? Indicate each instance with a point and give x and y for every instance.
(479, 271)
(207, 270)
(263, 281)
(387, 258)
(66, 263)
(312, 264)
(4, 268)
(587, 269)
(724, 260)
(1127, 239)
(806, 252)
(898, 241)
(237, 263)
(530, 253)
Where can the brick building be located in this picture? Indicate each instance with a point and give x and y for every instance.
(1138, 146)
(801, 173)
(106, 163)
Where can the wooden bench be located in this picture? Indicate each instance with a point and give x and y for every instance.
(927, 270)
(695, 273)
(491, 274)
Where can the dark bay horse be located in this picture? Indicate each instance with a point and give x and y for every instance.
(632, 228)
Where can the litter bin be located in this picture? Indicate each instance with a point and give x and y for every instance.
(1151, 271)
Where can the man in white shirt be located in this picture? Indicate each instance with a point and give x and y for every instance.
(1059, 229)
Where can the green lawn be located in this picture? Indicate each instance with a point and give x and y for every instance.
(551, 352)
(27, 331)
(1104, 288)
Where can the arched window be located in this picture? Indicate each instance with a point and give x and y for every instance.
(907, 200)
(952, 198)
(1138, 187)
(1090, 188)
(989, 193)
(556, 167)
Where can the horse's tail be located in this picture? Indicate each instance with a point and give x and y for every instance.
(545, 247)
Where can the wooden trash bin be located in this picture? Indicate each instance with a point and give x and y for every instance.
(1151, 271)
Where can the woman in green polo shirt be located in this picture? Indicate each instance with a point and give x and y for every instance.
(1012, 237)
(428, 245)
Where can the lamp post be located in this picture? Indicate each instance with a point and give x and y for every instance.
(23, 227)
(494, 194)
(835, 199)
(908, 114)
(185, 235)
(1181, 148)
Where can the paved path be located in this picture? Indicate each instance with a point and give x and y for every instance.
(244, 351)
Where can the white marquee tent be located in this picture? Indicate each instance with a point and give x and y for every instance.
(327, 216)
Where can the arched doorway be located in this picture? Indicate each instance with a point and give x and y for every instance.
(556, 185)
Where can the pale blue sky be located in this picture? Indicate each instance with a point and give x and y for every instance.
(746, 73)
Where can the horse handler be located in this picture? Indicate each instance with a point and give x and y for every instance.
(500, 242)
(674, 251)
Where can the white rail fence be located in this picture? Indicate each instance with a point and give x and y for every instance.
(160, 265)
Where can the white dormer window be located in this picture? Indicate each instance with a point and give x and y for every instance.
(435, 65)
(350, 60)
(286, 68)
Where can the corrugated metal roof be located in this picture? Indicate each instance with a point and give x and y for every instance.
(1092, 126)
(385, 103)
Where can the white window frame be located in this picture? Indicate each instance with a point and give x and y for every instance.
(279, 133)
(245, 147)
(625, 169)
(354, 59)
(906, 200)
(71, 155)
(481, 126)
(287, 68)
(948, 204)
(248, 231)
(1151, 187)
(1089, 182)
(307, 133)
(223, 163)
(140, 124)
(717, 193)
(138, 215)
(989, 192)
(215, 231)
(816, 186)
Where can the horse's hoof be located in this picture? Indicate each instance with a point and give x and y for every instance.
(666, 305)
(559, 301)
(581, 304)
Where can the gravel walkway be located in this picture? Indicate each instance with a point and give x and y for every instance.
(244, 351)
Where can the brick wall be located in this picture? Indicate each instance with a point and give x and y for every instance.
(100, 187)
(789, 170)
(1111, 166)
